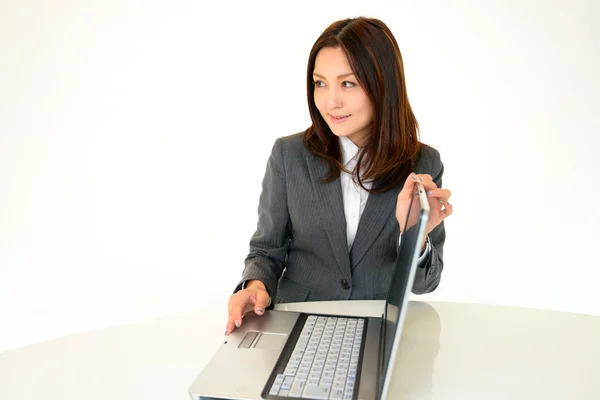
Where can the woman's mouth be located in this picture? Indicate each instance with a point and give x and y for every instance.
(338, 119)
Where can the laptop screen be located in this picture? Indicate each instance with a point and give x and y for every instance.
(402, 281)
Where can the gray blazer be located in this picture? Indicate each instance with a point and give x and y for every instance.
(299, 250)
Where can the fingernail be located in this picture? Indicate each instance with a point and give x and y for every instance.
(260, 311)
(430, 192)
(225, 332)
(421, 179)
(413, 178)
(238, 324)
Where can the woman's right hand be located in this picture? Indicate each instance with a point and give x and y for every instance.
(253, 297)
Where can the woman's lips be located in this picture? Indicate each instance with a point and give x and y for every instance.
(338, 119)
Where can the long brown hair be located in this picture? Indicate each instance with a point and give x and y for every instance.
(390, 152)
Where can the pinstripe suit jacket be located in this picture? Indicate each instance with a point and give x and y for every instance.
(299, 250)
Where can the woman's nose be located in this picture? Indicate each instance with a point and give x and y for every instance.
(334, 99)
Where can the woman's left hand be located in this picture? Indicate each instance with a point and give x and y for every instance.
(438, 202)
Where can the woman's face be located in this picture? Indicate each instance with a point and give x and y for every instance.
(340, 99)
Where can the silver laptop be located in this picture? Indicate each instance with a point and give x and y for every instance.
(285, 355)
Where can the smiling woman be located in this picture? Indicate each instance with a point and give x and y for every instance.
(339, 98)
(333, 197)
(356, 68)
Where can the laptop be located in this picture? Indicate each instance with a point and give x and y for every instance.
(285, 355)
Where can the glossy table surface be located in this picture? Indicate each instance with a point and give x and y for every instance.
(448, 351)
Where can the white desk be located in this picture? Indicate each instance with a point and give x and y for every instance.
(449, 351)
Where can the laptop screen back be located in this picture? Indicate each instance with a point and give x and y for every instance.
(401, 283)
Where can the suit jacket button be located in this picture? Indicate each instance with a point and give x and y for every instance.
(345, 284)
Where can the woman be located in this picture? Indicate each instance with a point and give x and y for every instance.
(334, 196)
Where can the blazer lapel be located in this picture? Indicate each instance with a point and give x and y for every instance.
(332, 212)
(379, 209)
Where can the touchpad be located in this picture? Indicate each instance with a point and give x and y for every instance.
(271, 341)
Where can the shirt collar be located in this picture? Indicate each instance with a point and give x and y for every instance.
(349, 149)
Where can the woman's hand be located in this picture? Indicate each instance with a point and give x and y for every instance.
(438, 202)
(253, 297)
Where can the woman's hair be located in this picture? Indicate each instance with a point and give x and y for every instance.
(391, 149)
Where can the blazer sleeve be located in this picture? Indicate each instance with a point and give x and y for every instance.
(269, 244)
(429, 273)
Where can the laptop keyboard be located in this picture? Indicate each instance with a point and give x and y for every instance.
(324, 362)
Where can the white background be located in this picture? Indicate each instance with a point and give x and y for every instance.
(134, 136)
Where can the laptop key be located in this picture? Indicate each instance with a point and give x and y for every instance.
(337, 394)
(287, 382)
(319, 392)
(302, 376)
(301, 343)
(327, 375)
(297, 388)
(313, 381)
(326, 381)
(276, 385)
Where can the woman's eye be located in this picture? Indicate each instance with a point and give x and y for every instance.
(318, 83)
(348, 84)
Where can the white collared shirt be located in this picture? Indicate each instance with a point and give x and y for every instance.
(354, 196)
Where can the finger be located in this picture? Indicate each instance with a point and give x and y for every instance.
(247, 308)
(235, 311)
(408, 188)
(449, 209)
(230, 325)
(426, 180)
(443, 211)
(237, 317)
(443, 195)
(262, 299)
(230, 322)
